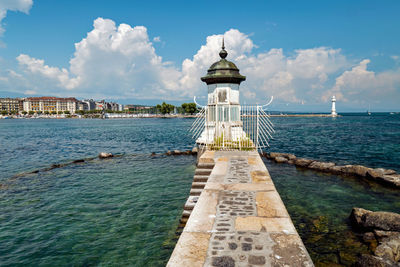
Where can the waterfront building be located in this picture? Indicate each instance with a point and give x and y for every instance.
(11, 105)
(113, 106)
(333, 112)
(50, 104)
(90, 103)
(81, 105)
(139, 109)
(100, 105)
(129, 107)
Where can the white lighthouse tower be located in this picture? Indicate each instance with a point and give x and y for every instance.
(223, 124)
(223, 108)
(333, 113)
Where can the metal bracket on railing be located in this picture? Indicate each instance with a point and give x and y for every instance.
(194, 100)
(270, 101)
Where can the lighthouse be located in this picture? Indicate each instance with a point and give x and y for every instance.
(333, 113)
(223, 120)
(223, 124)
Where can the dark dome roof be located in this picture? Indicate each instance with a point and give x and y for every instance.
(223, 71)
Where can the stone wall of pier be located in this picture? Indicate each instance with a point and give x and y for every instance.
(236, 217)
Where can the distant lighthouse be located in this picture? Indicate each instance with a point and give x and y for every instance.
(333, 113)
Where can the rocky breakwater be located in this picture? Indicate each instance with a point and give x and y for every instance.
(385, 176)
(179, 152)
(381, 231)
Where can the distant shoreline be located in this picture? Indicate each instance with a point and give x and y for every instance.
(156, 116)
(303, 115)
(140, 116)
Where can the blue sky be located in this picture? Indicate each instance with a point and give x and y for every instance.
(301, 52)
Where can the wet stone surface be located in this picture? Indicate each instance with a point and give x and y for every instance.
(238, 172)
(239, 249)
(236, 203)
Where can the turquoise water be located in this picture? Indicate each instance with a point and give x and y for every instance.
(125, 210)
(372, 141)
(320, 204)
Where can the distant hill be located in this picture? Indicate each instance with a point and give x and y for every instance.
(11, 94)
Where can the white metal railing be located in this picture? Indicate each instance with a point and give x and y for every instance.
(232, 127)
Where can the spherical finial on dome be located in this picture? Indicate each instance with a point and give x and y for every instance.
(223, 53)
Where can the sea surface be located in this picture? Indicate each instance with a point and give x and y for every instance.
(124, 211)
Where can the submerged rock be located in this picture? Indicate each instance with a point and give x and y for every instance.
(274, 155)
(393, 179)
(336, 169)
(379, 172)
(389, 249)
(369, 260)
(379, 220)
(302, 162)
(195, 150)
(281, 159)
(355, 170)
(386, 230)
(356, 216)
(321, 166)
(177, 152)
(383, 235)
(382, 220)
(104, 155)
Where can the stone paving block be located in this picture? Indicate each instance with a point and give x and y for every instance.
(207, 157)
(252, 187)
(284, 225)
(289, 250)
(252, 160)
(262, 224)
(203, 215)
(220, 168)
(240, 187)
(251, 223)
(191, 250)
(269, 204)
(260, 177)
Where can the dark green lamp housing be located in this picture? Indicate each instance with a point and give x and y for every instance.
(223, 71)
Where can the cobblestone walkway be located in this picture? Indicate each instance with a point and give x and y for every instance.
(239, 219)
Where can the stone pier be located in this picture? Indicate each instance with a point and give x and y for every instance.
(239, 218)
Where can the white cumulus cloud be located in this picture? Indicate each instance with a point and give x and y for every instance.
(120, 61)
(112, 62)
(13, 5)
(360, 85)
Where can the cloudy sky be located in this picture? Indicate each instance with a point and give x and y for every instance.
(300, 52)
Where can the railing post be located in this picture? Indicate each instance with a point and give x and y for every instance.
(257, 129)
